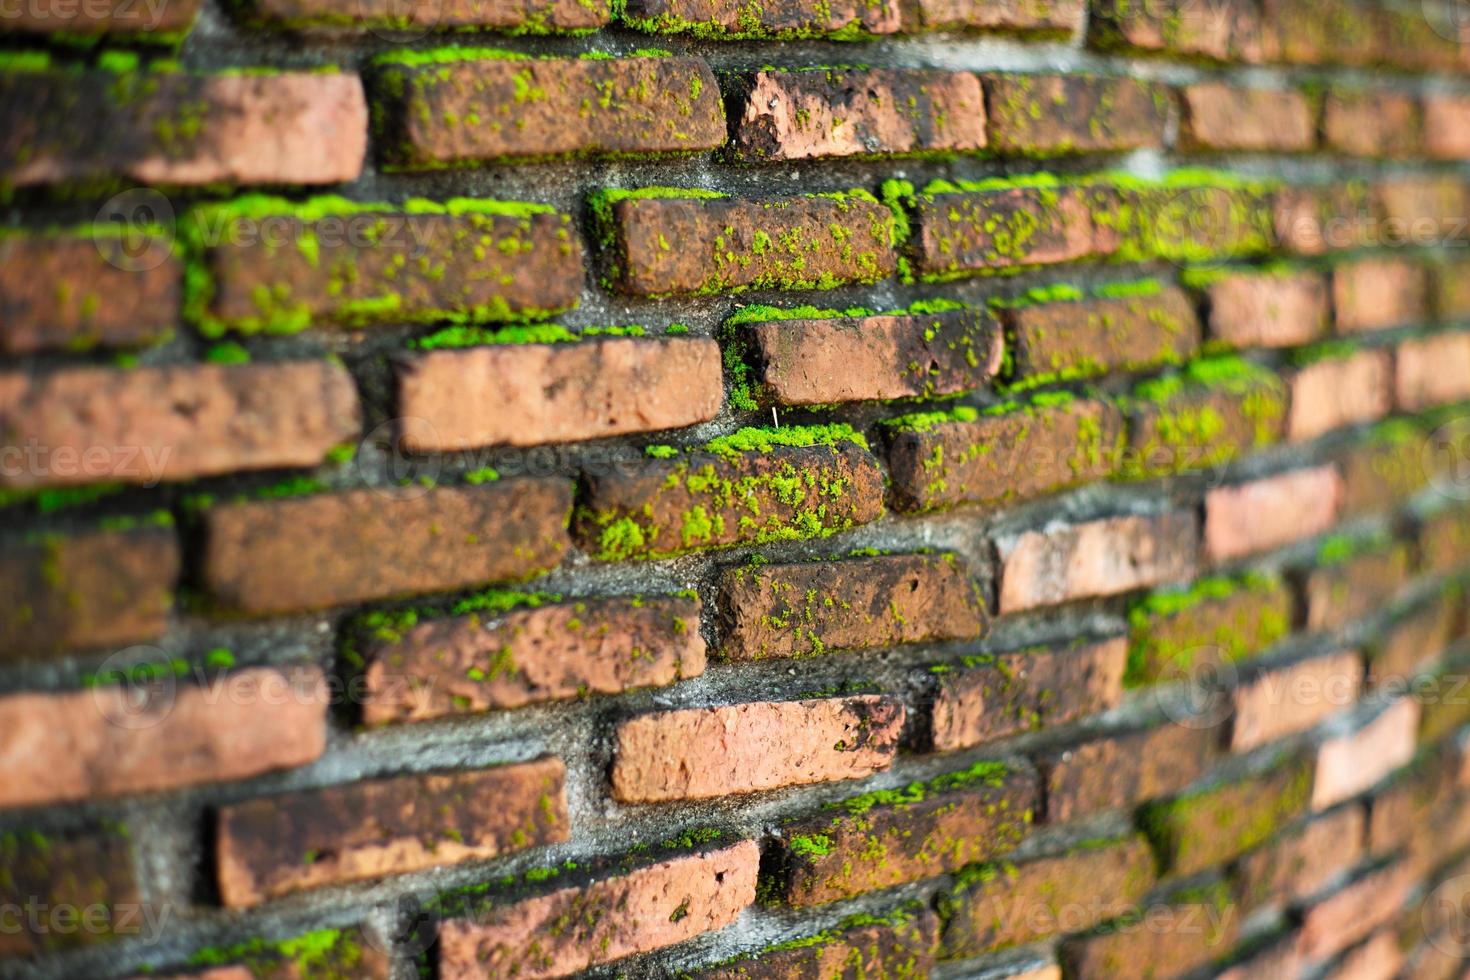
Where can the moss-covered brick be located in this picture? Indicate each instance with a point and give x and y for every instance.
(90, 872)
(993, 906)
(1006, 454)
(890, 837)
(895, 946)
(1353, 577)
(1384, 468)
(1173, 632)
(845, 20)
(1048, 115)
(1284, 306)
(1158, 941)
(1444, 540)
(1441, 716)
(1299, 862)
(466, 111)
(327, 954)
(1305, 32)
(1038, 19)
(1452, 284)
(1222, 30)
(524, 17)
(1191, 216)
(1125, 770)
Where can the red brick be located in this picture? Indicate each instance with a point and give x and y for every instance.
(276, 556)
(1380, 956)
(1371, 124)
(75, 290)
(530, 394)
(1283, 702)
(1351, 764)
(996, 906)
(1099, 558)
(516, 16)
(700, 753)
(328, 952)
(961, 232)
(1444, 540)
(181, 129)
(1314, 220)
(1375, 294)
(1216, 411)
(1007, 694)
(1384, 470)
(87, 22)
(827, 360)
(1219, 116)
(1124, 770)
(1267, 310)
(1337, 392)
(1410, 644)
(854, 604)
(900, 944)
(90, 873)
(1167, 940)
(1052, 114)
(1447, 126)
(1014, 453)
(82, 745)
(1270, 512)
(1179, 631)
(804, 115)
(1351, 585)
(668, 246)
(573, 929)
(729, 19)
(1423, 211)
(359, 264)
(1302, 860)
(482, 110)
(146, 425)
(1040, 18)
(91, 589)
(1298, 33)
(277, 845)
(487, 661)
(1354, 912)
(1280, 958)
(1431, 371)
(918, 831)
(1221, 30)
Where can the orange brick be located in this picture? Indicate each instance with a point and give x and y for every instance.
(1270, 512)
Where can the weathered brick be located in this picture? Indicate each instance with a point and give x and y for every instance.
(1283, 702)
(514, 16)
(1124, 770)
(1404, 649)
(1375, 294)
(1099, 558)
(758, 486)
(1221, 30)
(1039, 18)
(699, 753)
(996, 696)
(1451, 290)
(1444, 540)
(836, 112)
(463, 112)
(90, 873)
(1443, 711)
(279, 267)
(90, 589)
(1008, 454)
(1297, 32)
(829, 359)
(1423, 211)
(328, 952)
(812, 608)
(1300, 861)
(1285, 309)
(164, 23)
(1353, 578)
(900, 944)
(1351, 764)
(1168, 940)
(659, 243)
(999, 905)
(282, 844)
(1431, 371)
(1217, 410)
(531, 394)
(1336, 392)
(1176, 631)
(1314, 220)
(275, 556)
(1384, 470)
(1447, 126)
(573, 929)
(1354, 911)
(729, 19)
(1044, 115)
(112, 741)
(1280, 957)
(1220, 116)
(1427, 38)
(1191, 217)
(175, 128)
(495, 659)
(1270, 512)
(1371, 124)
(894, 836)
(147, 425)
(1377, 956)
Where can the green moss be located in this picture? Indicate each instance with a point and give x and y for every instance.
(660, 452)
(981, 773)
(763, 440)
(447, 56)
(928, 421)
(1128, 290)
(227, 353)
(483, 475)
(1237, 617)
(328, 954)
(456, 337)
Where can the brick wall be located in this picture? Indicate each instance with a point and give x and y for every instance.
(697, 488)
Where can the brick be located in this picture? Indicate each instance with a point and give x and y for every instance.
(700, 753)
(828, 360)
(896, 945)
(1280, 958)
(707, 499)
(896, 836)
(1423, 211)
(1124, 770)
(493, 660)
(1376, 294)
(1221, 30)
(1218, 410)
(1352, 580)
(1447, 126)
(729, 19)
(1443, 711)
(517, 16)
(1036, 18)
(1270, 512)
(1219, 116)
(181, 129)
(1190, 219)
(165, 23)
(1013, 453)
(1196, 928)
(1007, 694)
(112, 741)
(78, 290)
(277, 845)
(90, 872)
(1354, 912)
(805, 115)
(1082, 338)
(1384, 470)
(1052, 114)
(330, 262)
(1299, 862)
(813, 608)
(466, 112)
(329, 952)
(668, 246)
(1173, 632)
(1371, 124)
(1099, 558)
(1444, 540)
(1209, 826)
(572, 929)
(146, 425)
(1315, 220)
(276, 556)
(532, 394)
(996, 906)
(1283, 702)
(1432, 371)
(1351, 764)
(960, 232)
(1405, 649)
(1378, 956)
(1337, 392)
(1298, 34)
(91, 589)
(1452, 290)
(1287, 309)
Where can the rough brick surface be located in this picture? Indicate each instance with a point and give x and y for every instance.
(1347, 588)
(110, 18)
(93, 425)
(1196, 929)
(466, 112)
(1383, 470)
(961, 233)
(1447, 127)
(488, 661)
(529, 394)
(1299, 862)
(1223, 117)
(802, 115)
(1124, 769)
(1178, 426)
(1452, 289)
(1270, 512)
(1100, 558)
(1356, 910)
(122, 739)
(515, 16)
(1282, 310)
(1040, 17)
(1350, 764)
(275, 556)
(788, 18)
(1175, 633)
(1432, 371)
(1223, 30)
(1061, 341)
(1282, 702)
(1052, 114)
(1375, 294)
(281, 844)
(1371, 124)
(91, 872)
(1317, 219)
(700, 753)
(854, 604)
(1408, 645)
(1338, 392)
(898, 945)
(1444, 540)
